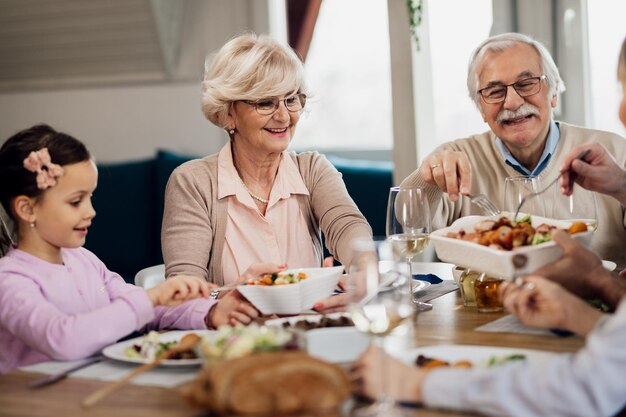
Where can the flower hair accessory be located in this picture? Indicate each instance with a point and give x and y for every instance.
(47, 172)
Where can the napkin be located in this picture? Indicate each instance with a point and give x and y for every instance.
(432, 278)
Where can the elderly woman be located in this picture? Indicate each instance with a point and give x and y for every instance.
(254, 207)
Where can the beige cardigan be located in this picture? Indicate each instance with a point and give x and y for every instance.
(489, 171)
(194, 220)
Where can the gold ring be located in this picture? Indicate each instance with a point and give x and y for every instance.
(435, 166)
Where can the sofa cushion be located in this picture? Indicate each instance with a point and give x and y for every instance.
(123, 234)
(368, 184)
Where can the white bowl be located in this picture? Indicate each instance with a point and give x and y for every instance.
(336, 344)
(494, 262)
(293, 298)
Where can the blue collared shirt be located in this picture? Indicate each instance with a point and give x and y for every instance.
(553, 139)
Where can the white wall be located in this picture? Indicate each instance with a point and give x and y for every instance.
(118, 123)
(131, 121)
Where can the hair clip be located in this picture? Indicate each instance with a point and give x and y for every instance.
(41, 163)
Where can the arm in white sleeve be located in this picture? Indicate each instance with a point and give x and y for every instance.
(588, 383)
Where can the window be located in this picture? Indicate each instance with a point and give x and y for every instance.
(453, 37)
(347, 70)
(606, 34)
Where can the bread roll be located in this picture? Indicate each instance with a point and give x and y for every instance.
(270, 383)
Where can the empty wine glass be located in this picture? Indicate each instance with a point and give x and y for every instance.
(580, 206)
(408, 227)
(516, 188)
(378, 303)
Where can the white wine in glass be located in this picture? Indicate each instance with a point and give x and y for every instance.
(408, 228)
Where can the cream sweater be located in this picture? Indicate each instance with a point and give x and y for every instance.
(489, 171)
(194, 220)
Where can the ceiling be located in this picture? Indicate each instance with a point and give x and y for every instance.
(64, 43)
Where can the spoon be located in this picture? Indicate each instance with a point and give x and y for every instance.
(188, 342)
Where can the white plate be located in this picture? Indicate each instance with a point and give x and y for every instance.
(609, 265)
(477, 355)
(312, 318)
(494, 262)
(419, 285)
(116, 351)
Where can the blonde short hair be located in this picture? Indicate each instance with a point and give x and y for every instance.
(499, 43)
(248, 67)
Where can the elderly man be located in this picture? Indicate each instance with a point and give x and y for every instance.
(515, 84)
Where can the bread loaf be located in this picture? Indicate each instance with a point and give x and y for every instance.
(274, 383)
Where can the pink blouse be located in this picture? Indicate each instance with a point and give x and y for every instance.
(281, 236)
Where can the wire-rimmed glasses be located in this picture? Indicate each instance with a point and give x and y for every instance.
(524, 88)
(267, 106)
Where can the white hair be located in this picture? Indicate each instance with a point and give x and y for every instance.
(499, 43)
(249, 67)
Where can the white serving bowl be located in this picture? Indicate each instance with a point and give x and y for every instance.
(494, 262)
(293, 298)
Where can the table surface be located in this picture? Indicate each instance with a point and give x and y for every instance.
(448, 323)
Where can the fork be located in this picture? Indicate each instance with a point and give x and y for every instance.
(535, 194)
(485, 204)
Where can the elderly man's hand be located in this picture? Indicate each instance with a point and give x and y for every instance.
(541, 303)
(597, 172)
(448, 170)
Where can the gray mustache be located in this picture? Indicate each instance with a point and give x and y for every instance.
(522, 111)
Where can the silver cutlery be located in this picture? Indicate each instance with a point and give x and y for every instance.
(531, 195)
(485, 204)
(51, 379)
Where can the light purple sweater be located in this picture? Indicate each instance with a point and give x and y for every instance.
(70, 311)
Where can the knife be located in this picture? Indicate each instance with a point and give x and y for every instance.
(51, 379)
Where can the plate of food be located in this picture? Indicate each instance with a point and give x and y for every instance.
(501, 248)
(330, 337)
(146, 348)
(292, 291)
(468, 356)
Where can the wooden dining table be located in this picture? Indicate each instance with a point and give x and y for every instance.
(449, 322)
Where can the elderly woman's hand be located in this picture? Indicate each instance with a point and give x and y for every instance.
(404, 383)
(257, 269)
(538, 302)
(231, 309)
(449, 170)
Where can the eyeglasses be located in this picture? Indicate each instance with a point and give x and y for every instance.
(269, 105)
(525, 88)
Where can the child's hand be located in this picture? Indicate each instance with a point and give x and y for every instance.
(178, 289)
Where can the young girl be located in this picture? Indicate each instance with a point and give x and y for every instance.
(57, 299)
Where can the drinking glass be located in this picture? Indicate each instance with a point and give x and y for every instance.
(516, 188)
(408, 227)
(378, 304)
(580, 206)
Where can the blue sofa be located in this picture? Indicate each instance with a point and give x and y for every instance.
(126, 233)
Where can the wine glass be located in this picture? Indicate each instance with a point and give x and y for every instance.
(516, 188)
(378, 303)
(580, 206)
(408, 226)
